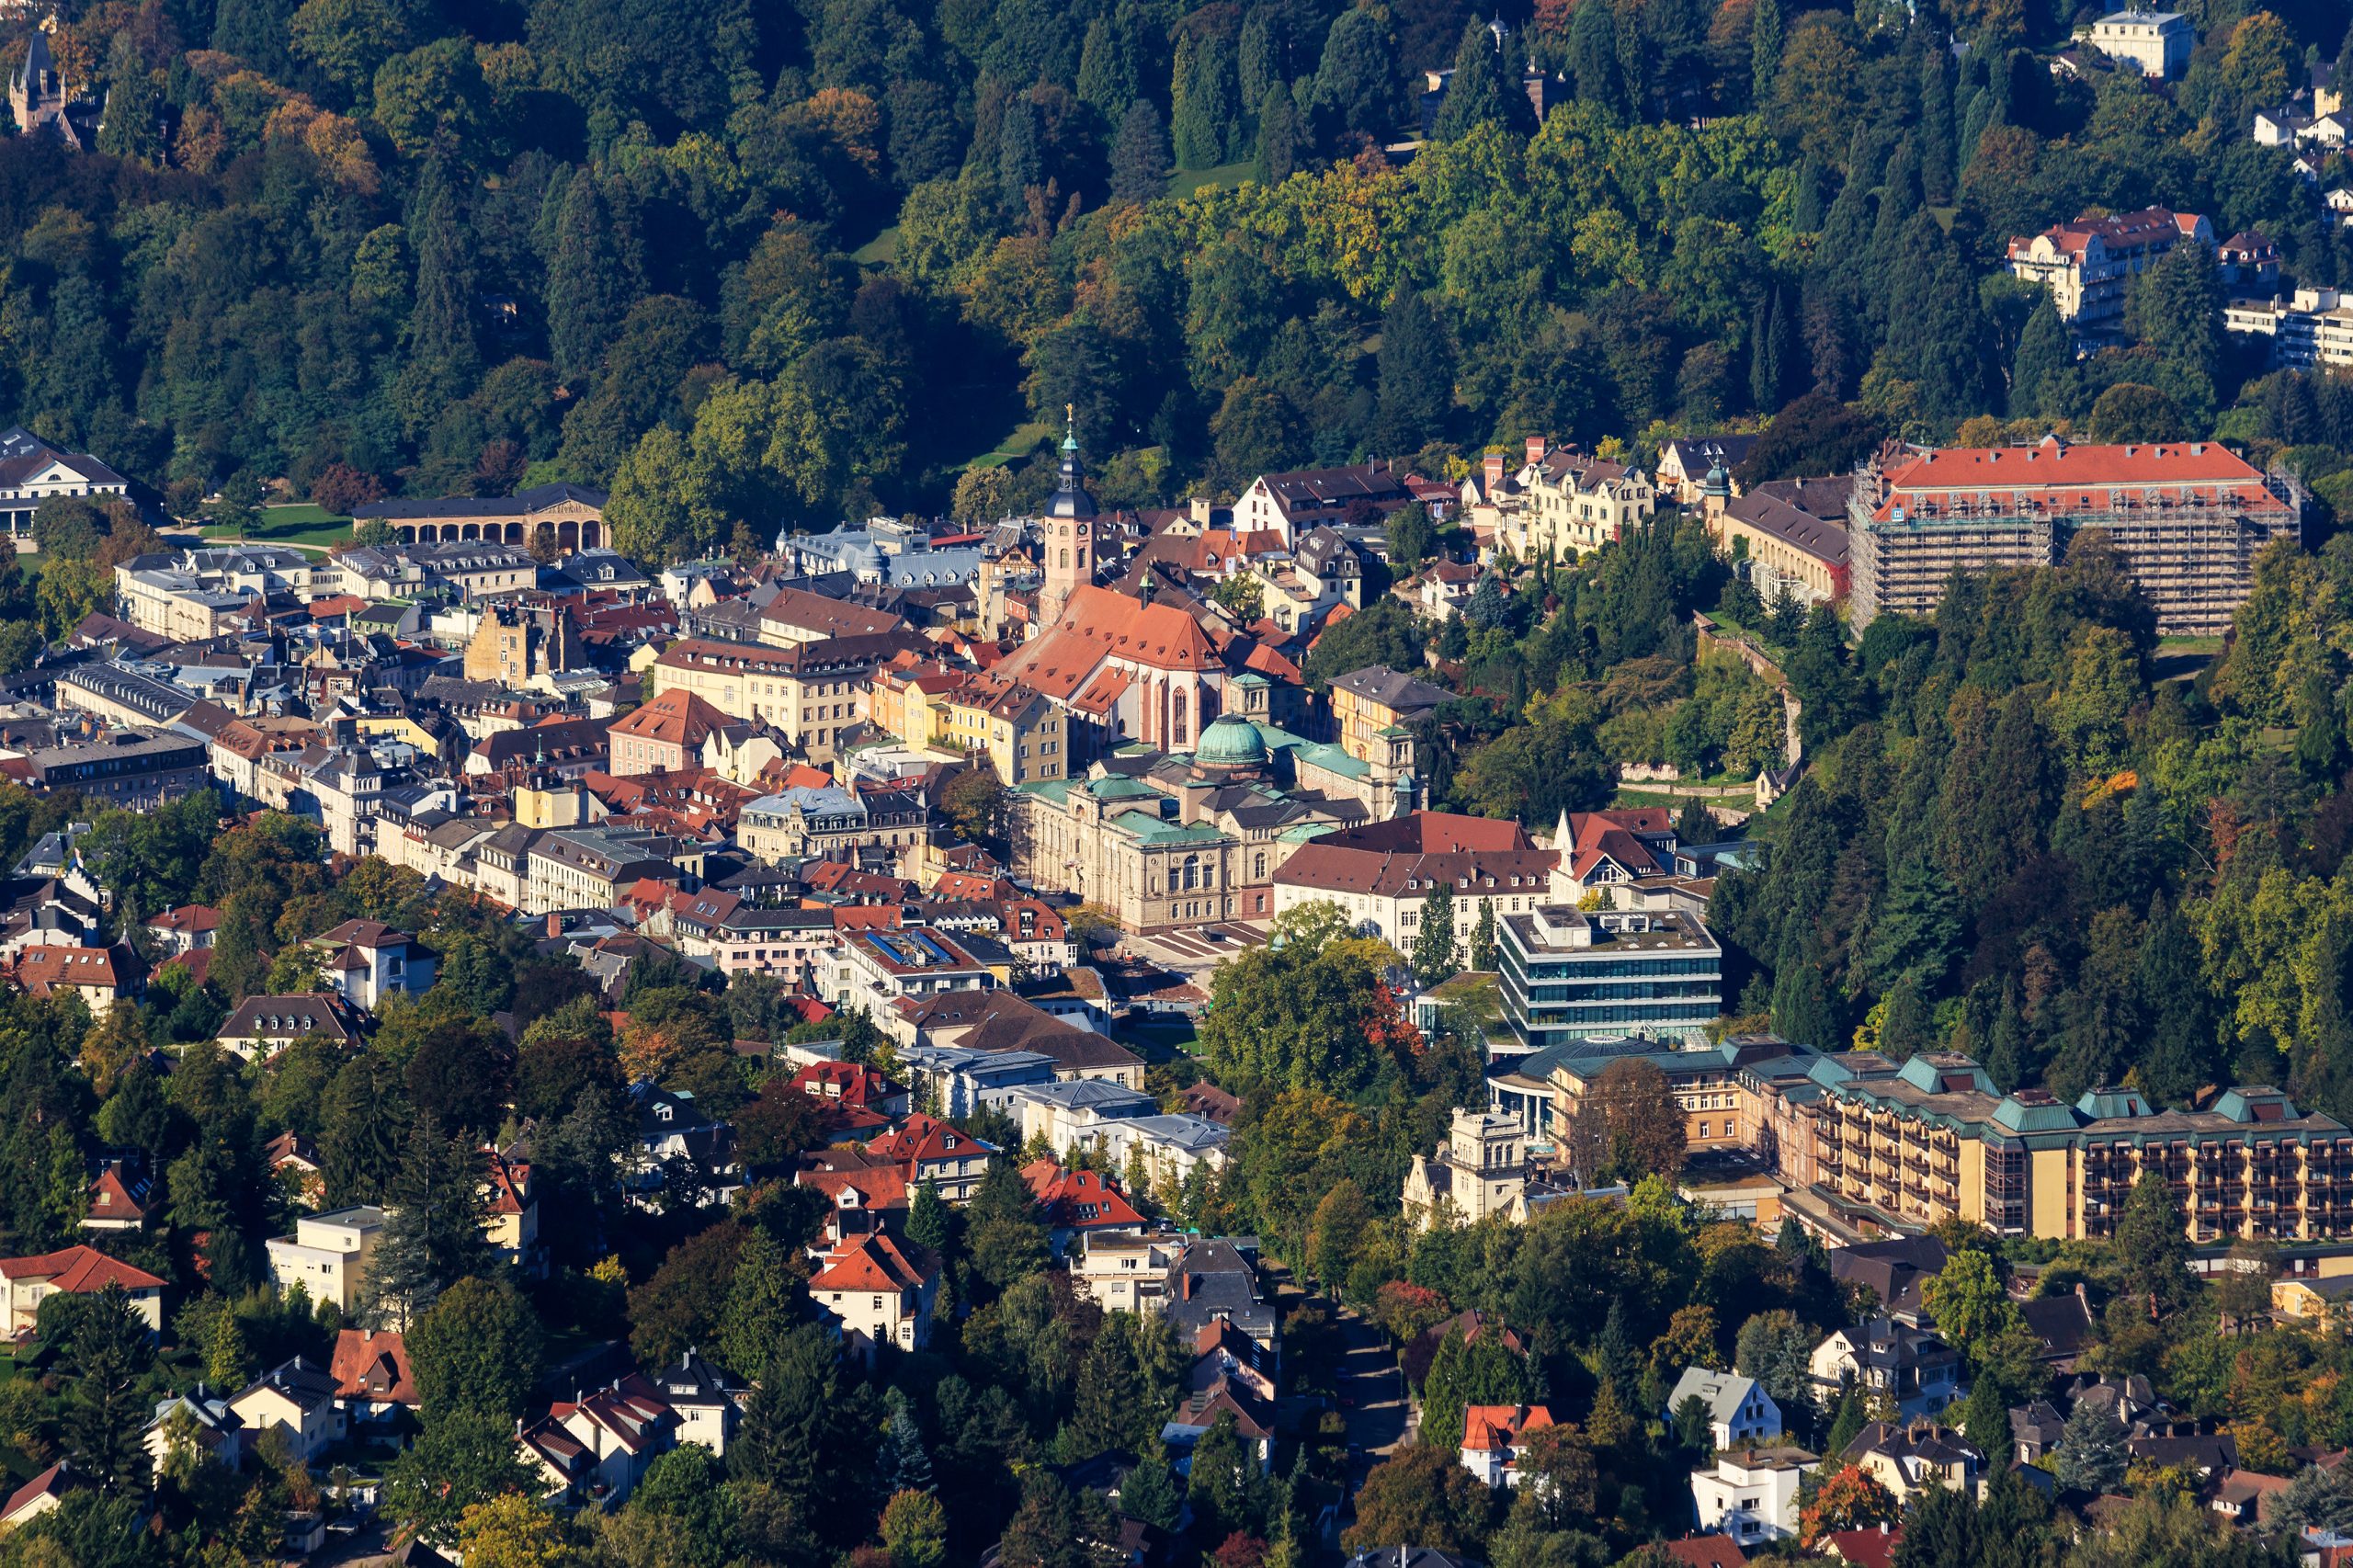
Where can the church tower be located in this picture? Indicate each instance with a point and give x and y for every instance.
(1068, 533)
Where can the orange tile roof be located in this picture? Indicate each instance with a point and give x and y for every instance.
(1489, 1428)
(872, 1262)
(675, 718)
(78, 1270)
(2062, 478)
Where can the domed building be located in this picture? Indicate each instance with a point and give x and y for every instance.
(1233, 745)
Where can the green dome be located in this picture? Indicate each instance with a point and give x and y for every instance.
(1231, 741)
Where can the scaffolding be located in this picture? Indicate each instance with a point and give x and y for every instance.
(2190, 547)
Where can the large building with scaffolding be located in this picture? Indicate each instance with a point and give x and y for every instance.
(2187, 519)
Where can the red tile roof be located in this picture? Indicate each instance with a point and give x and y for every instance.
(1078, 1200)
(78, 1270)
(675, 718)
(1873, 1548)
(1707, 1552)
(372, 1366)
(872, 1262)
(2063, 478)
(1487, 1429)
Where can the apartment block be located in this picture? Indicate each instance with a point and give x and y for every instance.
(2187, 519)
(1934, 1140)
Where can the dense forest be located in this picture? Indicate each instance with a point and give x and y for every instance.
(764, 266)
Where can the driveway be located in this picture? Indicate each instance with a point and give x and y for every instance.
(1372, 1390)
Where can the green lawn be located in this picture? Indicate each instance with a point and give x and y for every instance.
(1186, 182)
(1019, 444)
(878, 251)
(300, 524)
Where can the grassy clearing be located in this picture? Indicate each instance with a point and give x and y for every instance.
(1190, 182)
(879, 251)
(302, 524)
(1024, 440)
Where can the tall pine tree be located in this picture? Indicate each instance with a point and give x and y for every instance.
(1416, 379)
(1764, 51)
(2044, 358)
(589, 287)
(1140, 157)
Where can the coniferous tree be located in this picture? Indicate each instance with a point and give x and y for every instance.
(1282, 140)
(1937, 128)
(433, 1237)
(441, 323)
(2092, 1455)
(764, 1301)
(1149, 1491)
(1593, 59)
(1106, 75)
(1202, 122)
(131, 128)
(1481, 92)
(1021, 160)
(1483, 939)
(1845, 1425)
(803, 1435)
(1416, 375)
(904, 1456)
(105, 1416)
(1257, 63)
(1764, 51)
(931, 1222)
(2043, 359)
(1434, 941)
(589, 288)
(1140, 157)
(2152, 1246)
(1805, 203)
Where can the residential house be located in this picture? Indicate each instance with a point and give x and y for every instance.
(1914, 1370)
(2159, 42)
(1291, 504)
(366, 960)
(1068, 1117)
(709, 1400)
(1169, 1149)
(956, 1082)
(263, 1026)
(1908, 1456)
(1740, 1412)
(666, 735)
(1383, 873)
(120, 1198)
(40, 1495)
(1024, 736)
(1079, 1203)
(189, 928)
(879, 1292)
(1495, 1438)
(328, 1254)
(32, 470)
(99, 976)
(76, 1271)
(373, 1382)
(1482, 1170)
(595, 1450)
(201, 1420)
(676, 1141)
(2088, 265)
(1894, 1271)
(1684, 463)
(136, 771)
(1373, 710)
(1217, 1280)
(296, 1397)
(926, 1149)
(1122, 1271)
(1751, 1494)
(1577, 503)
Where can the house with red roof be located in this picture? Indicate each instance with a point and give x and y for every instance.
(594, 1449)
(183, 930)
(880, 1292)
(1706, 1552)
(926, 1149)
(666, 735)
(100, 976)
(854, 1182)
(857, 1099)
(372, 1380)
(78, 1271)
(1872, 1547)
(1494, 1436)
(1079, 1203)
(118, 1198)
(40, 1495)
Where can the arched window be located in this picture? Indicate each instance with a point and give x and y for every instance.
(1258, 866)
(1177, 735)
(1066, 558)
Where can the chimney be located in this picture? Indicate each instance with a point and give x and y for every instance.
(1537, 446)
(1187, 1287)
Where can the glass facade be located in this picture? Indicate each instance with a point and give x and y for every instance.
(1554, 993)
